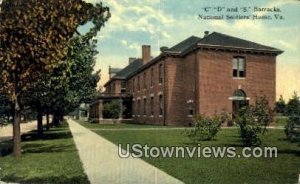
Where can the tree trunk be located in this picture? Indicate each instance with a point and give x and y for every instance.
(40, 122)
(55, 120)
(77, 113)
(17, 129)
(47, 120)
(61, 116)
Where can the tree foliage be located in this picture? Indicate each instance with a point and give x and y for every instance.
(206, 128)
(33, 38)
(253, 121)
(280, 105)
(292, 128)
(112, 109)
(5, 108)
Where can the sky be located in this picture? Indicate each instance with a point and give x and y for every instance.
(167, 22)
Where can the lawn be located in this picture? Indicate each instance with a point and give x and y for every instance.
(283, 169)
(114, 126)
(51, 160)
(281, 121)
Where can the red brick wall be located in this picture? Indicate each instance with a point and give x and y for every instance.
(217, 83)
(147, 92)
(114, 87)
(181, 87)
(205, 77)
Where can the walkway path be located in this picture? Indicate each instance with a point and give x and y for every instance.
(6, 132)
(103, 165)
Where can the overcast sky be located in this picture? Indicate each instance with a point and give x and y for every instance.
(167, 22)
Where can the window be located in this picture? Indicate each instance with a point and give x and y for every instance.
(145, 106)
(139, 87)
(238, 67)
(138, 107)
(152, 105)
(133, 85)
(145, 84)
(113, 87)
(161, 105)
(123, 86)
(133, 108)
(190, 107)
(151, 79)
(160, 73)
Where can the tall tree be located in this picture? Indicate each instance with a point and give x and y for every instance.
(81, 79)
(280, 105)
(33, 38)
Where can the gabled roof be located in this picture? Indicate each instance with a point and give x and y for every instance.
(218, 40)
(184, 45)
(125, 72)
(222, 40)
(132, 67)
(214, 40)
(114, 70)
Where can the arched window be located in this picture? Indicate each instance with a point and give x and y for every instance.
(239, 95)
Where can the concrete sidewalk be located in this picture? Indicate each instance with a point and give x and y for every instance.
(103, 165)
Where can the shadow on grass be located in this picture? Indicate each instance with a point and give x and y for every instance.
(47, 148)
(6, 147)
(289, 151)
(49, 135)
(55, 179)
(57, 133)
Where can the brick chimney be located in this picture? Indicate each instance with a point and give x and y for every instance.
(206, 33)
(130, 60)
(146, 53)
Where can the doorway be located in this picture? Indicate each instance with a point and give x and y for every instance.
(239, 100)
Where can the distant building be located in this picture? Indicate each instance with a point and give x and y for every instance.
(113, 71)
(204, 76)
(81, 112)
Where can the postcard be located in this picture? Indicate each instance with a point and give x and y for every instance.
(154, 92)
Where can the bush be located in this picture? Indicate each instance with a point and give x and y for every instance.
(112, 109)
(292, 129)
(204, 128)
(253, 121)
(280, 106)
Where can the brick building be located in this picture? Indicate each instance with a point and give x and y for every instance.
(197, 76)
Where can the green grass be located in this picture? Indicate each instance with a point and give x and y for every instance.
(281, 121)
(114, 126)
(284, 169)
(51, 160)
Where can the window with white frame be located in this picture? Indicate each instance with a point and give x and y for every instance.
(239, 67)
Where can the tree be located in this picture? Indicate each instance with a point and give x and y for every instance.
(33, 38)
(71, 83)
(205, 128)
(280, 105)
(81, 80)
(5, 108)
(113, 109)
(253, 121)
(293, 113)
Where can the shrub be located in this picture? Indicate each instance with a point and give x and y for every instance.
(280, 106)
(204, 128)
(253, 121)
(112, 109)
(292, 129)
